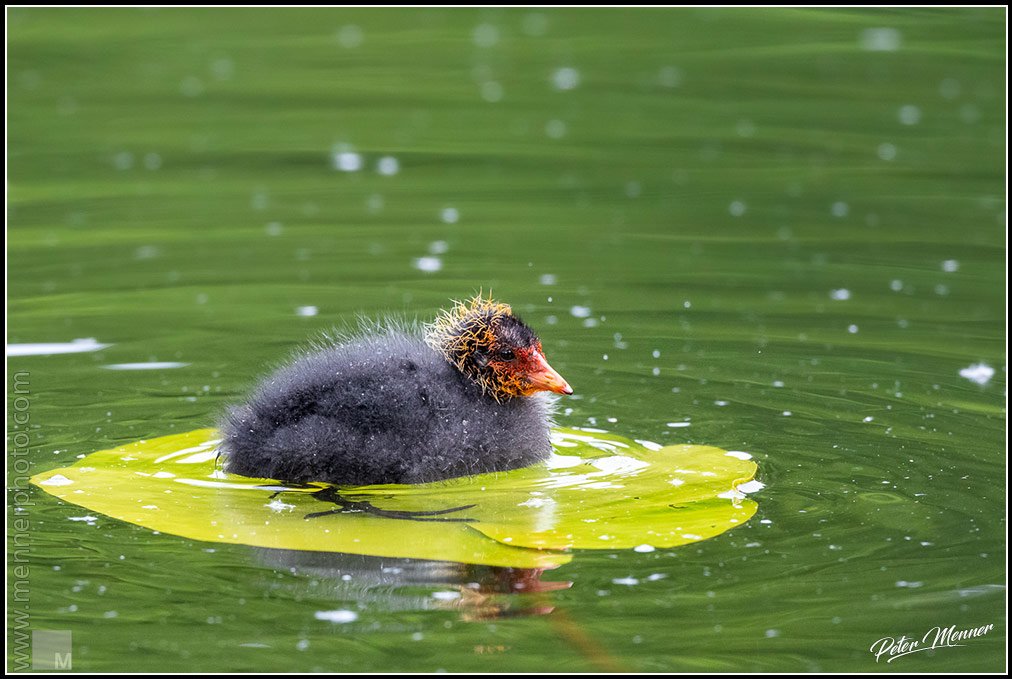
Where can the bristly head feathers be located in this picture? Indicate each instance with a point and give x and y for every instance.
(487, 343)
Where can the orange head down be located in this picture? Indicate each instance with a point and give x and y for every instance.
(495, 349)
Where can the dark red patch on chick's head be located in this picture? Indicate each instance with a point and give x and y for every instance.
(495, 349)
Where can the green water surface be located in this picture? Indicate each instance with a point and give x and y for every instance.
(772, 231)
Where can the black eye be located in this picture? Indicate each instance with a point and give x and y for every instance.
(506, 354)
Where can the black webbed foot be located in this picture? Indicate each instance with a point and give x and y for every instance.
(344, 505)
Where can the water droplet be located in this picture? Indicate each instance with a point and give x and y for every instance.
(880, 39)
(910, 114)
(491, 91)
(339, 616)
(428, 264)
(886, 151)
(556, 129)
(350, 36)
(485, 35)
(842, 294)
(388, 166)
(566, 78)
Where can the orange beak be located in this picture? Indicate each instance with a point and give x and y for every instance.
(542, 377)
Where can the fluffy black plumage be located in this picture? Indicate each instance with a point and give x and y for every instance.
(381, 408)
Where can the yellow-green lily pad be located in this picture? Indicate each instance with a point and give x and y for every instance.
(597, 491)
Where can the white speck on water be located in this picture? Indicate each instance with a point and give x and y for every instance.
(868, 419)
(949, 88)
(649, 445)
(669, 76)
(839, 209)
(350, 36)
(590, 322)
(110, 614)
(87, 519)
(842, 294)
(438, 247)
(880, 39)
(740, 454)
(551, 320)
(981, 373)
(445, 595)
(449, 215)
(942, 289)
(123, 160)
(886, 151)
(191, 86)
(580, 311)
(388, 166)
(485, 35)
(274, 228)
(428, 264)
(491, 91)
(306, 311)
(896, 285)
(656, 353)
(374, 203)
(535, 24)
(765, 522)
(737, 208)
(772, 633)
(745, 128)
(852, 329)
(909, 114)
(345, 160)
(653, 577)
(911, 585)
(778, 384)
(676, 425)
(643, 549)
(302, 644)
(625, 581)
(721, 404)
(969, 114)
(556, 129)
(223, 68)
(49, 348)
(339, 616)
(950, 266)
(566, 78)
(548, 279)
(656, 371)
(56, 480)
(787, 413)
(152, 161)
(148, 365)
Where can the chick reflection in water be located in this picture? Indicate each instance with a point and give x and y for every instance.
(391, 584)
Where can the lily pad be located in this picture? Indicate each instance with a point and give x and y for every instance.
(597, 491)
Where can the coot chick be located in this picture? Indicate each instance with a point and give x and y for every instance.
(402, 404)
